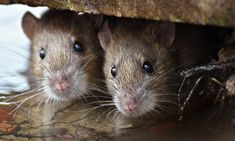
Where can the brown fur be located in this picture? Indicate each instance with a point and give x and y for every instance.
(128, 43)
(56, 31)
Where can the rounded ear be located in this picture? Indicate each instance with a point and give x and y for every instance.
(105, 36)
(96, 19)
(163, 33)
(29, 24)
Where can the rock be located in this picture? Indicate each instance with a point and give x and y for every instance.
(210, 12)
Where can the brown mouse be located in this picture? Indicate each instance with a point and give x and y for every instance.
(142, 59)
(133, 55)
(66, 56)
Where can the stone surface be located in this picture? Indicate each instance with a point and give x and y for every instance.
(212, 12)
(72, 122)
(81, 122)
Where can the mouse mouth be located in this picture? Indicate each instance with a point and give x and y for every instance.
(65, 86)
(136, 106)
(129, 107)
(58, 90)
(61, 94)
(133, 114)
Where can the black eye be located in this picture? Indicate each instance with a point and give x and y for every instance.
(78, 47)
(114, 71)
(42, 53)
(147, 66)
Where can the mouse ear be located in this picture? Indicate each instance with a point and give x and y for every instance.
(97, 20)
(105, 36)
(29, 24)
(163, 33)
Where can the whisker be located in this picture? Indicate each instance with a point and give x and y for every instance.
(22, 102)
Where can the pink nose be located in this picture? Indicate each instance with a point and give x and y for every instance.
(130, 104)
(61, 85)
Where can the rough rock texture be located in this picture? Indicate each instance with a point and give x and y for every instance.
(214, 12)
(72, 122)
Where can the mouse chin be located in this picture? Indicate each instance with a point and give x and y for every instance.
(133, 114)
(55, 95)
(63, 96)
(66, 95)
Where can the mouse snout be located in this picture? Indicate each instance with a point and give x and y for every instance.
(130, 103)
(61, 83)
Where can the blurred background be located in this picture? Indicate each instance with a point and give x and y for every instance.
(14, 47)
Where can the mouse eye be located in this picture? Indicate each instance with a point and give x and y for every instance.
(78, 47)
(42, 53)
(147, 66)
(114, 71)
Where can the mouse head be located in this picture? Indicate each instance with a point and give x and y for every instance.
(137, 64)
(65, 53)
